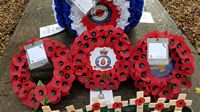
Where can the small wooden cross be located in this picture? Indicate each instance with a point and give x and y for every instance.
(140, 101)
(96, 106)
(72, 109)
(118, 104)
(160, 102)
(180, 102)
(48, 109)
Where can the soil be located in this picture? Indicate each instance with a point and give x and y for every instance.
(10, 13)
(186, 14)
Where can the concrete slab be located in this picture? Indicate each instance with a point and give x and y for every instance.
(39, 13)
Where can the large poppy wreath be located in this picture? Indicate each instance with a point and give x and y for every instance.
(163, 81)
(33, 95)
(124, 14)
(101, 57)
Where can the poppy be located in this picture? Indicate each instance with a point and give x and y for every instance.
(96, 106)
(176, 85)
(17, 86)
(49, 48)
(185, 84)
(18, 60)
(23, 93)
(117, 105)
(31, 101)
(166, 93)
(140, 101)
(53, 94)
(180, 103)
(40, 92)
(59, 63)
(159, 106)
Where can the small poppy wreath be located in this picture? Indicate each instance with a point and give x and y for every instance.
(163, 81)
(101, 57)
(34, 95)
(124, 14)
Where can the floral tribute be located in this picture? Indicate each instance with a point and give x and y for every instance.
(33, 95)
(101, 57)
(163, 81)
(124, 14)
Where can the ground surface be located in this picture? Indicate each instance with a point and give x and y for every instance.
(39, 13)
(10, 13)
(186, 14)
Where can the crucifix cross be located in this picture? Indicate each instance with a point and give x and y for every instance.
(48, 109)
(96, 106)
(118, 104)
(159, 105)
(140, 101)
(180, 102)
(72, 109)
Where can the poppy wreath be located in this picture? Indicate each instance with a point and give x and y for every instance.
(33, 95)
(163, 81)
(124, 14)
(101, 57)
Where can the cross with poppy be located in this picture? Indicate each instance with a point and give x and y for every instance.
(140, 101)
(72, 109)
(96, 106)
(118, 104)
(180, 102)
(48, 109)
(159, 105)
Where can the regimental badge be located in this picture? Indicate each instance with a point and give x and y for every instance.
(103, 59)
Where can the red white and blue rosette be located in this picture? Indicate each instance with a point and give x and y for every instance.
(163, 81)
(101, 57)
(124, 14)
(34, 93)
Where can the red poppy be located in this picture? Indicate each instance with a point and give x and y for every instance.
(40, 92)
(186, 84)
(65, 87)
(159, 106)
(117, 105)
(18, 60)
(17, 86)
(63, 51)
(53, 94)
(59, 63)
(96, 106)
(166, 93)
(180, 103)
(31, 101)
(91, 84)
(176, 85)
(23, 92)
(140, 101)
(49, 48)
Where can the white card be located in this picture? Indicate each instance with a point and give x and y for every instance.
(146, 18)
(84, 5)
(157, 51)
(108, 96)
(50, 30)
(36, 54)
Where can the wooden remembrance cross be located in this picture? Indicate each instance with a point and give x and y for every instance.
(118, 104)
(96, 106)
(180, 101)
(48, 109)
(72, 109)
(141, 100)
(161, 101)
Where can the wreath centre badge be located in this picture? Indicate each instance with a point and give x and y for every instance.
(103, 58)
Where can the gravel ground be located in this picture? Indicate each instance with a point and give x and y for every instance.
(10, 13)
(186, 14)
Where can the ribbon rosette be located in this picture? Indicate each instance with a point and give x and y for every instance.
(33, 95)
(98, 64)
(163, 81)
(124, 14)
